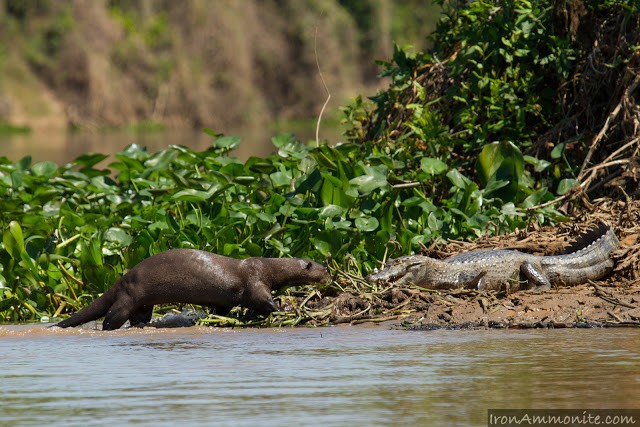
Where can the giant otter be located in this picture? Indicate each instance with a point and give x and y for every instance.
(195, 277)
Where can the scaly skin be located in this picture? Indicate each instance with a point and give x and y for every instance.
(496, 269)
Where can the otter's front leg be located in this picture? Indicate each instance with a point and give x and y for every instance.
(141, 316)
(259, 298)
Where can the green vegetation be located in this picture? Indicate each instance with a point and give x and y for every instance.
(9, 129)
(463, 143)
(498, 101)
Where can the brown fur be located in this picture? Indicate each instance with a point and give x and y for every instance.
(196, 277)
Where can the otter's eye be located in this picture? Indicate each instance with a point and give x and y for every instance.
(309, 265)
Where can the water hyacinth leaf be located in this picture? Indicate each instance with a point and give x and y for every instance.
(266, 217)
(89, 160)
(565, 185)
(537, 197)
(159, 226)
(17, 179)
(311, 183)
(331, 211)
(46, 169)
(161, 160)
(493, 186)
(7, 303)
(327, 243)
(367, 224)
(332, 192)
(191, 195)
(326, 157)
(127, 162)
(306, 165)
(227, 143)
(458, 179)
(433, 166)
(539, 165)
(212, 133)
(374, 179)
(24, 163)
(244, 180)
(252, 249)
(287, 210)
(288, 146)
(258, 165)
(13, 240)
(232, 168)
(501, 161)
(558, 150)
(118, 236)
(510, 209)
(281, 179)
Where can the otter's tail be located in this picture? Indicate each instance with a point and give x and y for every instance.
(93, 311)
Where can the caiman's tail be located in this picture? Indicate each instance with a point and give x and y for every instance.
(588, 258)
(93, 311)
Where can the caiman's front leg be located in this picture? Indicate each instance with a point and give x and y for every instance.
(471, 280)
(537, 280)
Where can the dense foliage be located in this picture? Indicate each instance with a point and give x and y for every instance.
(511, 95)
(73, 230)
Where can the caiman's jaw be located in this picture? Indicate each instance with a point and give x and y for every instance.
(386, 276)
(394, 270)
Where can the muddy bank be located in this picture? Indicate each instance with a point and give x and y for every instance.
(612, 301)
(588, 305)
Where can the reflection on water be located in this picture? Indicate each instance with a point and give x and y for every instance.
(62, 147)
(328, 376)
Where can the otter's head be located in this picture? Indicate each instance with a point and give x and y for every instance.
(313, 272)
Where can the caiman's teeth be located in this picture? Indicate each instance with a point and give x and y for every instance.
(398, 276)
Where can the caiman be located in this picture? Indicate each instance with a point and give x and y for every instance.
(588, 258)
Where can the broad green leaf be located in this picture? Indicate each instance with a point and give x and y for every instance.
(458, 179)
(501, 161)
(24, 163)
(281, 179)
(118, 236)
(46, 169)
(327, 242)
(266, 217)
(374, 179)
(13, 240)
(565, 185)
(557, 151)
(7, 303)
(367, 224)
(433, 166)
(331, 211)
(227, 143)
(289, 146)
(89, 159)
(190, 195)
(212, 133)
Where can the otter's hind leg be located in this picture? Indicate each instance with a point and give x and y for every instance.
(118, 314)
(141, 316)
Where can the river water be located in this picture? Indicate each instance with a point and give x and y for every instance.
(338, 376)
(63, 147)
